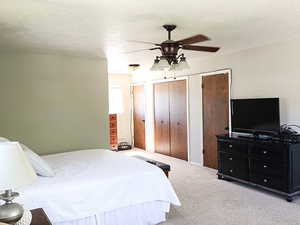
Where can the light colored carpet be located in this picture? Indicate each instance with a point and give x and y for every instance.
(208, 201)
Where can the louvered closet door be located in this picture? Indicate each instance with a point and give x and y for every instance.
(178, 119)
(161, 118)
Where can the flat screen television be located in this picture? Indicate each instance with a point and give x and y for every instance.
(259, 115)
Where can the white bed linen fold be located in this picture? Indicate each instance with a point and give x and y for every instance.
(142, 214)
(89, 182)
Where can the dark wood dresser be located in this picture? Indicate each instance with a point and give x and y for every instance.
(268, 164)
(113, 131)
(39, 217)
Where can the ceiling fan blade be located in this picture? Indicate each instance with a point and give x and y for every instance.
(193, 39)
(140, 50)
(200, 48)
(144, 42)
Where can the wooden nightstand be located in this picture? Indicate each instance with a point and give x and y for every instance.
(39, 217)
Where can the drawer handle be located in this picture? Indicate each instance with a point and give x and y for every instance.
(265, 166)
(265, 152)
(230, 158)
(266, 180)
(230, 171)
(230, 146)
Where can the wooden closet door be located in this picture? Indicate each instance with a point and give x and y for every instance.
(178, 119)
(161, 118)
(139, 116)
(215, 100)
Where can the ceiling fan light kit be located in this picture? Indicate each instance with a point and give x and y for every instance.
(169, 51)
(183, 64)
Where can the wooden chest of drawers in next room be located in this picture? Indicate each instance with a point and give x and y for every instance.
(113, 131)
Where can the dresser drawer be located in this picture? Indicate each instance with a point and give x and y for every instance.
(234, 165)
(113, 124)
(113, 139)
(113, 131)
(112, 116)
(267, 168)
(233, 147)
(269, 152)
(268, 181)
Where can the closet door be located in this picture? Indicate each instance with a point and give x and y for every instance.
(215, 100)
(178, 119)
(161, 118)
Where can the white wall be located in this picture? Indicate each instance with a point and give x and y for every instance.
(195, 119)
(124, 119)
(149, 117)
(268, 71)
(54, 103)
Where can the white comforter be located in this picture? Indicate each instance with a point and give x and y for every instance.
(88, 182)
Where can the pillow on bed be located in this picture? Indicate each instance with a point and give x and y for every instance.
(3, 139)
(40, 166)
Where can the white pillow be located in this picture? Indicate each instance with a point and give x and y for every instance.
(40, 166)
(3, 139)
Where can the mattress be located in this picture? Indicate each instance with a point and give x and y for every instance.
(93, 182)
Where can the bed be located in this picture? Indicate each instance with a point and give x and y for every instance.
(101, 187)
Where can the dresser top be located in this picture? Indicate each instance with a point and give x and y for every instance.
(265, 140)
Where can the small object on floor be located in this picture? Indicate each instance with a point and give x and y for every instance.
(124, 146)
(165, 167)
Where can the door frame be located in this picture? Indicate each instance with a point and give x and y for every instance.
(187, 106)
(218, 72)
(132, 112)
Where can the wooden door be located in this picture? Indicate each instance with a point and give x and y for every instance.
(178, 119)
(215, 99)
(139, 116)
(161, 118)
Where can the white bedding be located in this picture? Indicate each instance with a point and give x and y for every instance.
(90, 182)
(149, 213)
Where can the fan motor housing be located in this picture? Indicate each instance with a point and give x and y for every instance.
(169, 49)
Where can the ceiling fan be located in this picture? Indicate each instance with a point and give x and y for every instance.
(169, 48)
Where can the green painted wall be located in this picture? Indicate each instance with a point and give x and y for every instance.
(54, 103)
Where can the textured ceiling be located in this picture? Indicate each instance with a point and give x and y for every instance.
(101, 27)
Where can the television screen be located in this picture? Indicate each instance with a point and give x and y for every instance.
(255, 115)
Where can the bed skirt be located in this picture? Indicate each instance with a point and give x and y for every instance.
(149, 213)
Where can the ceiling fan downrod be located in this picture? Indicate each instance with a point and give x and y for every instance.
(169, 28)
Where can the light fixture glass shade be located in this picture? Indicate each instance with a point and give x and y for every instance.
(163, 63)
(15, 169)
(155, 67)
(183, 65)
(174, 67)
